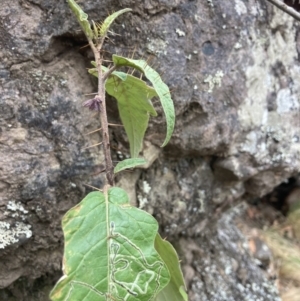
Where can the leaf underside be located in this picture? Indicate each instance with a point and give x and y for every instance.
(109, 252)
(129, 163)
(159, 86)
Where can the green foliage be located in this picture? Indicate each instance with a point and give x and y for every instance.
(109, 251)
(82, 18)
(112, 250)
(134, 100)
(175, 290)
(110, 19)
(134, 104)
(129, 163)
(160, 87)
(133, 96)
(99, 31)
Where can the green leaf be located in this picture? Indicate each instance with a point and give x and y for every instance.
(160, 87)
(109, 251)
(134, 105)
(129, 163)
(176, 289)
(82, 18)
(133, 97)
(110, 19)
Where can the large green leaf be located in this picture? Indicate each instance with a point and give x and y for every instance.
(110, 19)
(175, 290)
(134, 104)
(109, 252)
(160, 87)
(82, 18)
(129, 163)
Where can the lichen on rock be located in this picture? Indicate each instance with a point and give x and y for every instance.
(11, 234)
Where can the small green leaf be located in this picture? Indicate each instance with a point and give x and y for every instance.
(160, 87)
(109, 251)
(82, 18)
(129, 163)
(133, 97)
(175, 290)
(110, 19)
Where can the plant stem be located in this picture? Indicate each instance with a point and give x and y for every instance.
(109, 72)
(103, 115)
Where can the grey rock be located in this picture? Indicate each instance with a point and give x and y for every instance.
(223, 268)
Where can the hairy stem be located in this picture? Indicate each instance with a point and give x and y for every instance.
(108, 72)
(103, 116)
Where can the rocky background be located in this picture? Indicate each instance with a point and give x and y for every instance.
(234, 73)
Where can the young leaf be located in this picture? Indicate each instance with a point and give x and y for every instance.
(134, 105)
(82, 18)
(160, 87)
(109, 251)
(175, 290)
(129, 163)
(133, 97)
(110, 19)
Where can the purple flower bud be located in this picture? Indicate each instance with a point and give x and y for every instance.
(93, 104)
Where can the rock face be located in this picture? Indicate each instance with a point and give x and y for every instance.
(234, 73)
